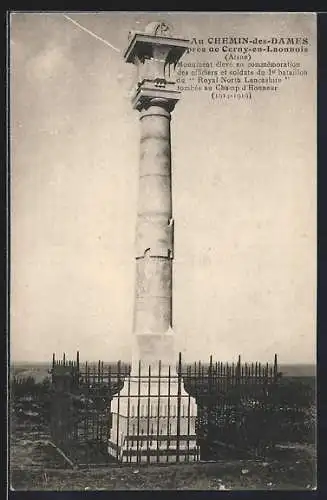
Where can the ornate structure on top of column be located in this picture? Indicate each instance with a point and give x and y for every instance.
(155, 53)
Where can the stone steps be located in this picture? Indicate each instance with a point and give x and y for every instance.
(160, 449)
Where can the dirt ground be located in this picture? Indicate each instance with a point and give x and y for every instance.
(209, 476)
(36, 465)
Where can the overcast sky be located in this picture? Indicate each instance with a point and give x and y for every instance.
(244, 196)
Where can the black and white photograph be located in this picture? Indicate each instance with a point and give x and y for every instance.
(163, 250)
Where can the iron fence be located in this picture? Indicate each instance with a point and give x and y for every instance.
(160, 413)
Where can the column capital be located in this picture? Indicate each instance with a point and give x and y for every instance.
(147, 97)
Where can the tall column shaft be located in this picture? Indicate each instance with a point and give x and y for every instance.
(154, 230)
(154, 239)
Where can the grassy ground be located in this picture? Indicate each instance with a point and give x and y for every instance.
(36, 465)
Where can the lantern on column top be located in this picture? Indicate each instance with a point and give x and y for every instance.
(155, 52)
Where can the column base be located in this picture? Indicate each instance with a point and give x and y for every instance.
(146, 426)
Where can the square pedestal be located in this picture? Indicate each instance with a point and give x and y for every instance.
(153, 420)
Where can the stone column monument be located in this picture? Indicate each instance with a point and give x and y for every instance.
(155, 54)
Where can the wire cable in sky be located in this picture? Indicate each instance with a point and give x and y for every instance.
(91, 33)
